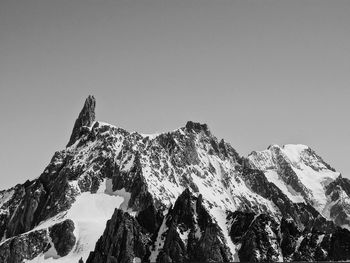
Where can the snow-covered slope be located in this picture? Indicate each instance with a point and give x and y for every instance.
(169, 197)
(90, 213)
(299, 172)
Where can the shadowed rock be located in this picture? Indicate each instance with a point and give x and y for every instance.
(62, 237)
(33, 243)
(196, 127)
(86, 118)
(24, 247)
(122, 241)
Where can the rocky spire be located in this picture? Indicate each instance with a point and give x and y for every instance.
(86, 118)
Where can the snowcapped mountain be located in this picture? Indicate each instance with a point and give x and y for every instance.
(181, 196)
(303, 176)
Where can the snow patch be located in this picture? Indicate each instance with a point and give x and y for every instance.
(52, 252)
(273, 177)
(159, 244)
(320, 239)
(198, 233)
(128, 164)
(5, 196)
(293, 151)
(121, 193)
(89, 213)
(220, 217)
(150, 136)
(315, 182)
(183, 235)
(299, 240)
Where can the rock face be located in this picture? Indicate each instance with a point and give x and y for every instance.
(262, 239)
(187, 234)
(58, 237)
(23, 247)
(62, 237)
(338, 192)
(191, 234)
(122, 241)
(180, 196)
(85, 119)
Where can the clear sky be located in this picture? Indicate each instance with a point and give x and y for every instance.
(257, 72)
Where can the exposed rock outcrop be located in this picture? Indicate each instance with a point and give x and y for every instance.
(262, 239)
(28, 246)
(338, 192)
(34, 243)
(122, 241)
(85, 119)
(188, 233)
(192, 236)
(62, 237)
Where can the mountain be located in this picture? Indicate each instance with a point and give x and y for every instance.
(180, 196)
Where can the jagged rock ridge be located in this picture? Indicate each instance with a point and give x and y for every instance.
(116, 196)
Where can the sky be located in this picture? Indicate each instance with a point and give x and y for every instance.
(257, 72)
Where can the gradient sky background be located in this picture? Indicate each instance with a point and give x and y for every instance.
(257, 72)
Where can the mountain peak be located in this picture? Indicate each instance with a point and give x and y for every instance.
(196, 127)
(86, 118)
(169, 197)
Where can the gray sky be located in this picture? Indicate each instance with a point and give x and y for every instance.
(257, 72)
